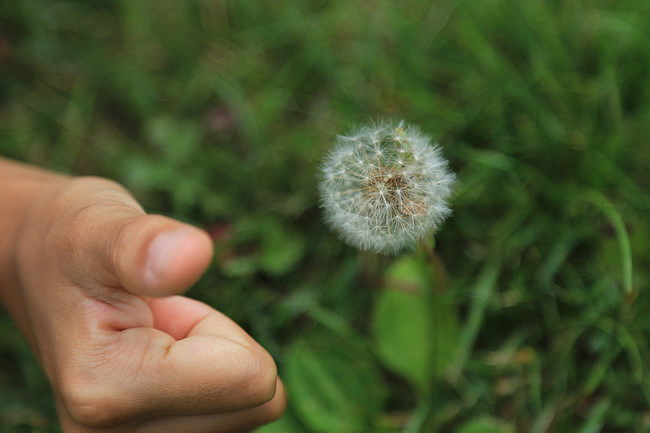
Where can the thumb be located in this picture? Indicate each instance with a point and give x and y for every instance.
(152, 255)
(116, 244)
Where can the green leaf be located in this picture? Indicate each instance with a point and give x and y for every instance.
(178, 141)
(596, 417)
(238, 266)
(483, 290)
(286, 424)
(334, 386)
(281, 249)
(415, 328)
(485, 425)
(615, 218)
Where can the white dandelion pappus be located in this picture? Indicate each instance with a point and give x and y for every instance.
(385, 187)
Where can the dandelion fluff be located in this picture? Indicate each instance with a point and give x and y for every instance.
(385, 187)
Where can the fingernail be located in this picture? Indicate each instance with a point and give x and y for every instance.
(162, 252)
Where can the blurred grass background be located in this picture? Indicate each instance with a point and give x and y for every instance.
(218, 112)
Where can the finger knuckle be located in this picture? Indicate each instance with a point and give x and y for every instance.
(92, 405)
(260, 376)
(77, 203)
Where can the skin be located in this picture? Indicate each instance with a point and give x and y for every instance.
(93, 283)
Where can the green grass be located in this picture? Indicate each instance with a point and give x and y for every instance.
(218, 113)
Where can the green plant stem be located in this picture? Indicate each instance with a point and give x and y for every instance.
(482, 294)
(429, 256)
(607, 208)
(421, 414)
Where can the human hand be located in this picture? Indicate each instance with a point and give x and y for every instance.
(93, 279)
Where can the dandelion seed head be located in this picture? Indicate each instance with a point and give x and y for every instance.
(389, 189)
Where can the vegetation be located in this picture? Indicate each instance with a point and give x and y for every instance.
(530, 316)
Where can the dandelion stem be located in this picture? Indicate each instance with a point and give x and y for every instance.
(432, 259)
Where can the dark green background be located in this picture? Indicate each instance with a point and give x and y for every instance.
(218, 113)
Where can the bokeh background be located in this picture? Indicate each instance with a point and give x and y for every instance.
(533, 312)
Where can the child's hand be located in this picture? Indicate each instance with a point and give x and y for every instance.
(91, 284)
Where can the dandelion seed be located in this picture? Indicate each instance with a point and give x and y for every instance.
(395, 192)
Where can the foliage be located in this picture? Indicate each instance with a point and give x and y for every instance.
(218, 112)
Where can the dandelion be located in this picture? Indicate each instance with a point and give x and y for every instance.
(385, 187)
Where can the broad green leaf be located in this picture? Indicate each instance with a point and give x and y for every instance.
(415, 327)
(334, 386)
(402, 331)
